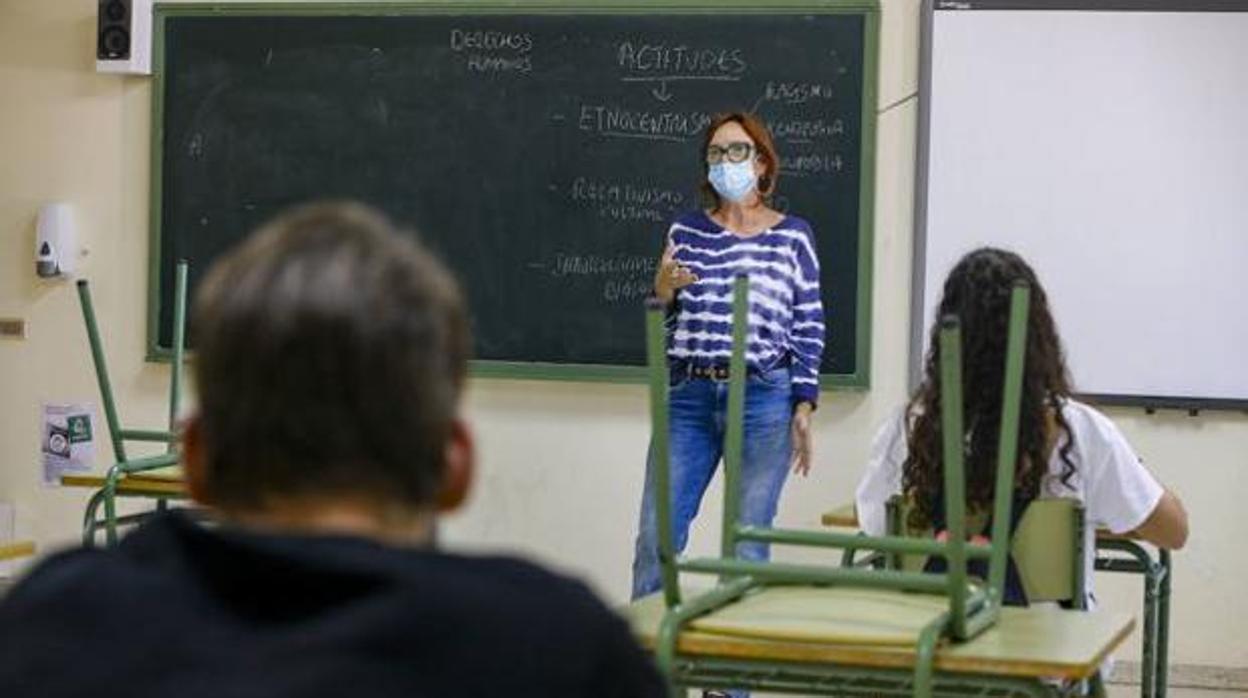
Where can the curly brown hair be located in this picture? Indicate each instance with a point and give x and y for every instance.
(978, 292)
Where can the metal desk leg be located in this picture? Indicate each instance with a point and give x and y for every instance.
(90, 517)
(1152, 675)
(1163, 623)
(1148, 669)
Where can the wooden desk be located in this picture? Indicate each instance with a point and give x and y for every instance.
(1026, 643)
(843, 516)
(162, 484)
(157, 483)
(16, 550)
(1156, 572)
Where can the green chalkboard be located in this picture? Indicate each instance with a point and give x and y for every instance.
(540, 150)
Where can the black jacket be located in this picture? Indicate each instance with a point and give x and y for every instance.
(182, 610)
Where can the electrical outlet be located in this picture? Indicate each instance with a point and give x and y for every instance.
(12, 328)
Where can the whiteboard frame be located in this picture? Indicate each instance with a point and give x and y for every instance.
(927, 20)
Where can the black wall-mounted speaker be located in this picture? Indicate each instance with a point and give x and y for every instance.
(113, 35)
(123, 36)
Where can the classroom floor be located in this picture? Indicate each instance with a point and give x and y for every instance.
(1125, 691)
(1129, 691)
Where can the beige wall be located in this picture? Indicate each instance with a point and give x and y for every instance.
(562, 462)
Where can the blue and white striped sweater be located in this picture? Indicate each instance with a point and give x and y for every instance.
(786, 308)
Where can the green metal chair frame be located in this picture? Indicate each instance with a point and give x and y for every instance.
(1124, 555)
(972, 607)
(124, 465)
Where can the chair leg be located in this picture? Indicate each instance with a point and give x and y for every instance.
(925, 656)
(90, 519)
(110, 514)
(1096, 686)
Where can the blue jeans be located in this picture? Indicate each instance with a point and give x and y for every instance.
(698, 418)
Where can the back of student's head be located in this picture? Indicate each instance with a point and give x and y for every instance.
(330, 356)
(978, 291)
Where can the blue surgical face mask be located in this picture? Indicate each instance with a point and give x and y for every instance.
(733, 180)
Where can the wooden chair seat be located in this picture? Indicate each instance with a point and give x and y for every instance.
(827, 614)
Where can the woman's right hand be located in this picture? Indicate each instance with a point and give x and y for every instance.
(671, 276)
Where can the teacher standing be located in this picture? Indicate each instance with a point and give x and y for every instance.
(740, 233)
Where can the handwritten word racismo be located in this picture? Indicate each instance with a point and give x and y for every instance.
(490, 41)
(796, 92)
(660, 58)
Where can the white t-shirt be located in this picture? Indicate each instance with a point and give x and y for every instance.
(1116, 491)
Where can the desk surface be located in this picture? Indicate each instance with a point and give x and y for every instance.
(1036, 642)
(16, 549)
(845, 516)
(166, 482)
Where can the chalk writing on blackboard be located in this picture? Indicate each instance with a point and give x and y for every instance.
(626, 201)
(796, 92)
(804, 164)
(488, 51)
(624, 278)
(663, 60)
(620, 122)
(806, 130)
(662, 64)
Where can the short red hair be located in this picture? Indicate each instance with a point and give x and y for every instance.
(764, 146)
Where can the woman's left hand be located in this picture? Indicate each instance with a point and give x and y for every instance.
(803, 445)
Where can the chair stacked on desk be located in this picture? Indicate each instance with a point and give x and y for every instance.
(126, 468)
(845, 630)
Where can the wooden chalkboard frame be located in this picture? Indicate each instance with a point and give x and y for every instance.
(869, 10)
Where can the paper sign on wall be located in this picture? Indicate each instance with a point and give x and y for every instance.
(68, 440)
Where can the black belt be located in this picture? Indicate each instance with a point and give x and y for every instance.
(715, 373)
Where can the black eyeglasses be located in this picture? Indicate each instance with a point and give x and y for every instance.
(737, 151)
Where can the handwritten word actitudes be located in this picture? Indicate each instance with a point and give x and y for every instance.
(660, 59)
(802, 130)
(493, 51)
(618, 121)
(796, 92)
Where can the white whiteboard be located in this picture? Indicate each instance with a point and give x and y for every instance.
(1110, 150)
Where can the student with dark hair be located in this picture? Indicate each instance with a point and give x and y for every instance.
(330, 358)
(1065, 448)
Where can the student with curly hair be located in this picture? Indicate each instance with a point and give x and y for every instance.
(1066, 448)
